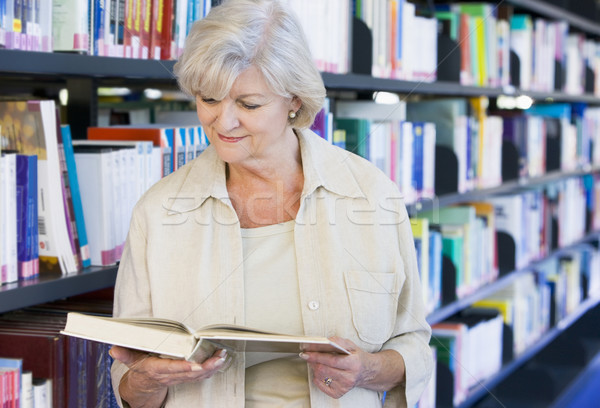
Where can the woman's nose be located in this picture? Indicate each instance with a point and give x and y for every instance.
(227, 117)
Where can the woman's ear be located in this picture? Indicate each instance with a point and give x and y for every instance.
(296, 103)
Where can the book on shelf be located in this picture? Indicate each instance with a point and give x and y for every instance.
(71, 166)
(420, 231)
(8, 188)
(162, 136)
(71, 25)
(30, 127)
(11, 371)
(95, 168)
(27, 216)
(177, 340)
(450, 116)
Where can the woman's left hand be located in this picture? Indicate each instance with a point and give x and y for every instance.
(335, 374)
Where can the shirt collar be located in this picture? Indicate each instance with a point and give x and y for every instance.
(323, 166)
(326, 166)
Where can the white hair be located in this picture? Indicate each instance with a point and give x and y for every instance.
(265, 34)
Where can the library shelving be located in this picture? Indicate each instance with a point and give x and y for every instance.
(49, 287)
(44, 74)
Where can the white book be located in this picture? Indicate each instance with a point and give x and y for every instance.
(70, 25)
(9, 217)
(94, 171)
(177, 340)
(429, 161)
(42, 393)
(141, 154)
(27, 389)
(370, 110)
(406, 163)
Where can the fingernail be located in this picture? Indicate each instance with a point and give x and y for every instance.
(303, 356)
(222, 353)
(220, 362)
(110, 352)
(197, 367)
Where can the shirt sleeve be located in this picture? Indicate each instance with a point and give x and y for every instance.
(132, 288)
(411, 332)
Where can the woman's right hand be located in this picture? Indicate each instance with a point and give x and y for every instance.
(146, 382)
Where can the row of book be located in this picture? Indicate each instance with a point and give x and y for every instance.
(71, 372)
(32, 128)
(153, 29)
(483, 35)
(474, 344)
(397, 50)
(18, 388)
(66, 204)
(150, 29)
(460, 139)
(464, 247)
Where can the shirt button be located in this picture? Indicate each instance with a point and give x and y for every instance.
(313, 305)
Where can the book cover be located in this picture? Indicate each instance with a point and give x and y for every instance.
(176, 340)
(14, 368)
(75, 195)
(161, 136)
(67, 198)
(357, 135)
(94, 172)
(168, 24)
(145, 28)
(27, 217)
(434, 288)
(420, 231)
(8, 164)
(70, 25)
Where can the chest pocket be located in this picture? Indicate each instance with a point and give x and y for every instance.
(373, 299)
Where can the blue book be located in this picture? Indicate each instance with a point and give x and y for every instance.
(75, 195)
(418, 146)
(435, 268)
(27, 217)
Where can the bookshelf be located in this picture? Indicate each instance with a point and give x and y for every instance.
(49, 287)
(82, 75)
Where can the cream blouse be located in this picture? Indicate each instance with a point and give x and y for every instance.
(272, 303)
(355, 258)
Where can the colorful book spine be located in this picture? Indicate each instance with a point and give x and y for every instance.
(75, 195)
(27, 217)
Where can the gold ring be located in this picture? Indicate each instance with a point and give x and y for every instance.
(327, 381)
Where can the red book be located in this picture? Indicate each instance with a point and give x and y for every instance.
(166, 38)
(145, 23)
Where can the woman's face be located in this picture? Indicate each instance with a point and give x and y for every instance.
(251, 123)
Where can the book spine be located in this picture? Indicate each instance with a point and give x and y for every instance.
(67, 199)
(75, 195)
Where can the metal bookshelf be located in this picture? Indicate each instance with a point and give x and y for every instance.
(48, 287)
(486, 290)
(557, 13)
(512, 186)
(480, 390)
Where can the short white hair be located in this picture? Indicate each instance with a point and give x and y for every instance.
(265, 34)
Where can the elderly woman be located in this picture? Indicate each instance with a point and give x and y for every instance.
(273, 228)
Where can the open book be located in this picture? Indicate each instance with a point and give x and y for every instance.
(176, 340)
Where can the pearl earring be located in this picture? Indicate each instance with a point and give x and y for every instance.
(292, 115)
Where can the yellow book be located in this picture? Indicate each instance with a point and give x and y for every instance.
(420, 230)
(505, 306)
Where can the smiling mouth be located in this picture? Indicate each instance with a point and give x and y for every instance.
(229, 139)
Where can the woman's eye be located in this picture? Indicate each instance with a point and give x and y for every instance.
(250, 106)
(209, 101)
